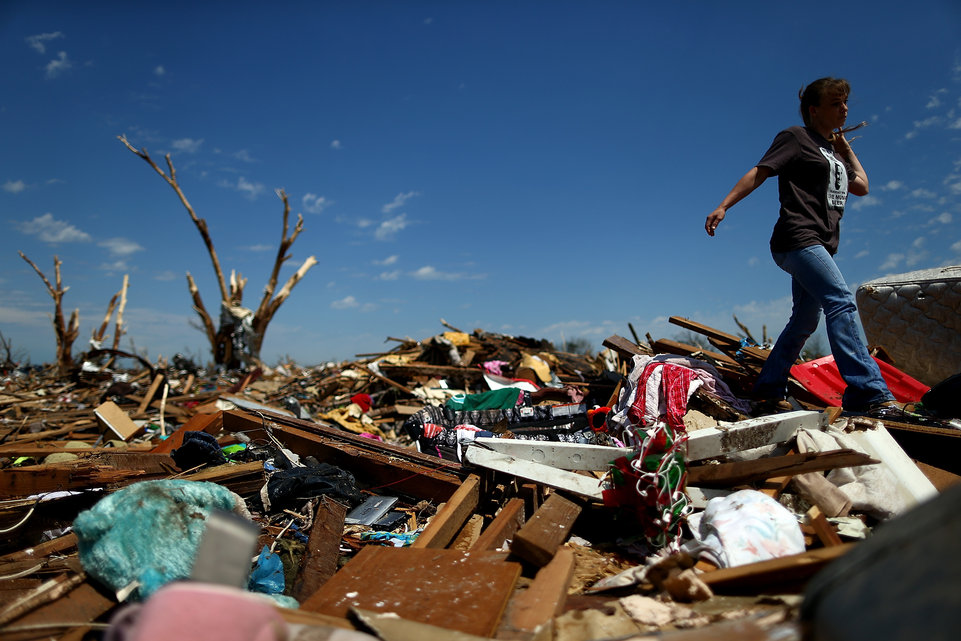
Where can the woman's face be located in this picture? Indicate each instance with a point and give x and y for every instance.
(831, 113)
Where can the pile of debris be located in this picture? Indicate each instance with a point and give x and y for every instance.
(472, 485)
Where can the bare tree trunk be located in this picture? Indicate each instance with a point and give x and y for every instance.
(239, 333)
(66, 333)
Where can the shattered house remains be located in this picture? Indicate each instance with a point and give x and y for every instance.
(477, 485)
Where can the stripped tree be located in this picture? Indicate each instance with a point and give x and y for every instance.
(66, 332)
(239, 334)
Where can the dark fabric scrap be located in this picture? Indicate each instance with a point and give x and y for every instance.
(289, 487)
(199, 448)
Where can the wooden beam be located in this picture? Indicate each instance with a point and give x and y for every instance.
(378, 464)
(825, 532)
(448, 521)
(545, 597)
(740, 472)
(148, 397)
(323, 548)
(787, 573)
(712, 442)
(505, 524)
(539, 538)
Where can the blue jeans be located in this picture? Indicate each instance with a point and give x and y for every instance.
(816, 284)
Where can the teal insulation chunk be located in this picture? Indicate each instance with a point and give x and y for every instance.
(148, 533)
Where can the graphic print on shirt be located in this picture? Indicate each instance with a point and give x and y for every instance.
(837, 181)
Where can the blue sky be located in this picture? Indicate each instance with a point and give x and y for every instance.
(533, 168)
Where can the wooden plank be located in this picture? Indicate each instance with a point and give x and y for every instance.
(323, 548)
(539, 538)
(503, 527)
(719, 338)
(210, 423)
(112, 418)
(151, 392)
(83, 604)
(787, 573)
(624, 347)
(439, 587)
(545, 597)
(379, 464)
(587, 486)
(43, 550)
(468, 534)
(712, 442)
(38, 479)
(390, 627)
(668, 346)
(825, 532)
(448, 521)
(245, 479)
(563, 456)
(740, 472)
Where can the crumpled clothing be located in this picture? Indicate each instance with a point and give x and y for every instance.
(744, 527)
(494, 367)
(650, 392)
(711, 378)
(663, 391)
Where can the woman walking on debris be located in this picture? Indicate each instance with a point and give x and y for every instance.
(816, 168)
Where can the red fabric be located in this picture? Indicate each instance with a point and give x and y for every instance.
(675, 382)
(364, 400)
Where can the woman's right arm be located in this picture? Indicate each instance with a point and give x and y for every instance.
(748, 183)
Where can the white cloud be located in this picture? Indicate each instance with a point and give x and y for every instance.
(314, 204)
(390, 260)
(866, 201)
(398, 201)
(39, 41)
(59, 65)
(120, 246)
(892, 185)
(955, 125)
(862, 253)
(50, 230)
(336, 144)
(394, 275)
(892, 261)
(244, 155)
(115, 267)
(159, 70)
(753, 261)
(956, 247)
(166, 275)
(389, 228)
(187, 145)
(429, 272)
(944, 218)
(953, 182)
(923, 193)
(348, 302)
(935, 100)
(259, 248)
(249, 189)
(14, 186)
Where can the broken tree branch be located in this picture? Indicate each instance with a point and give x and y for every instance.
(66, 333)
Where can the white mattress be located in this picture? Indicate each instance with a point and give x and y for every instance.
(916, 317)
